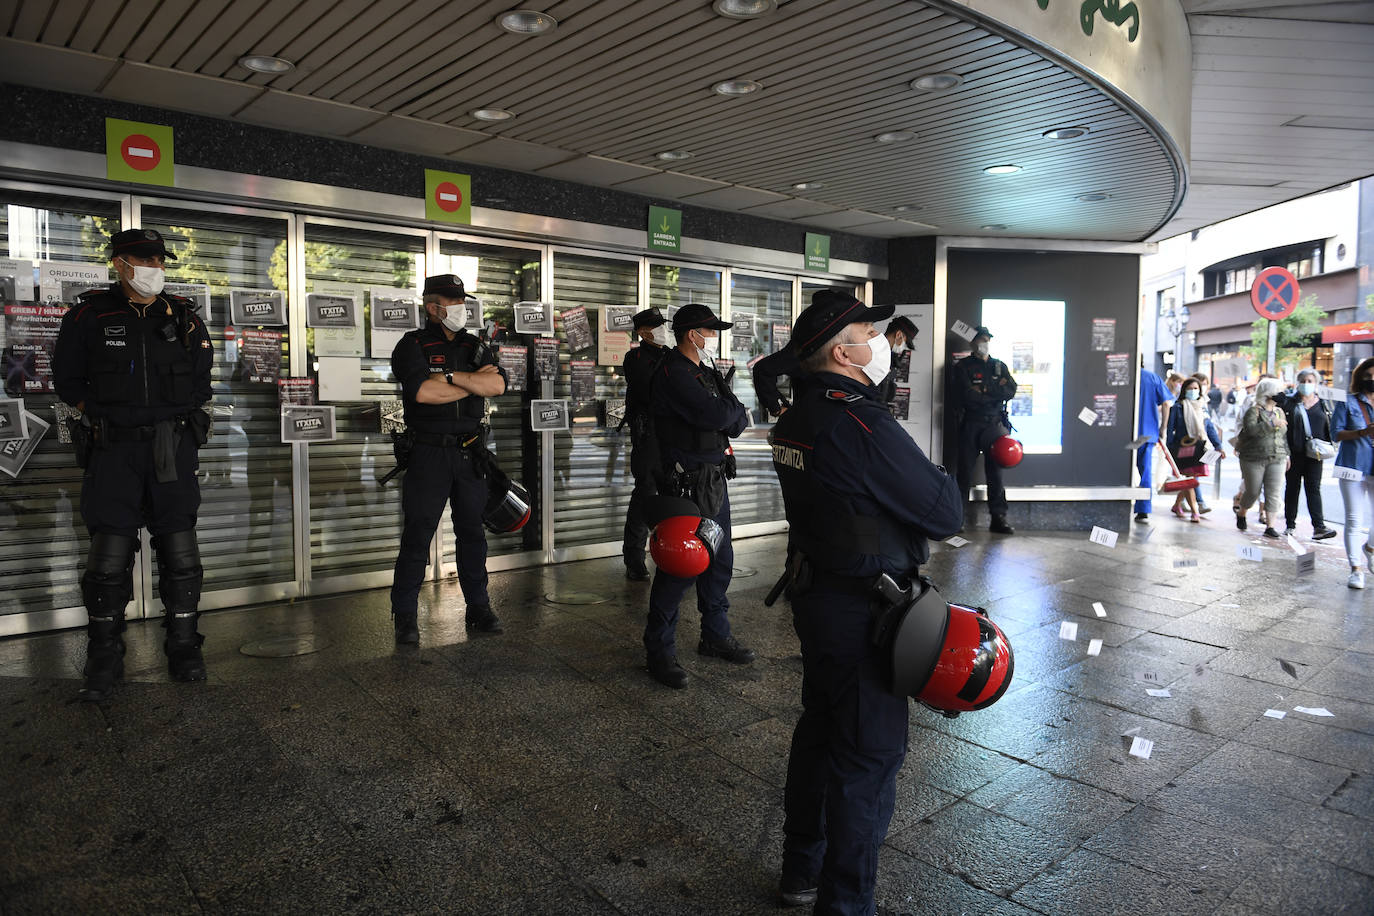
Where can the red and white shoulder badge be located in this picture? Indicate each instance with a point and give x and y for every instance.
(848, 397)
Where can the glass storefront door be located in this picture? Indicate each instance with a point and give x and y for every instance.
(765, 303)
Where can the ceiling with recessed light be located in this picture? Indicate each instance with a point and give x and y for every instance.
(610, 86)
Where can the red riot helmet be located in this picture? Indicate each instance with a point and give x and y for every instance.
(683, 545)
(950, 657)
(1007, 452)
(508, 506)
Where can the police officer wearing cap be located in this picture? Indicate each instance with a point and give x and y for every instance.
(136, 362)
(639, 365)
(695, 416)
(981, 388)
(861, 500)
(445, 373)
(900, 333)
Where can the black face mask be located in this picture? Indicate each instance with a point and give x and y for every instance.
(1367, 385)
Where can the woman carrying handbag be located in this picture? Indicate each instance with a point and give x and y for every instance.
(1309, 445)
(1262, 446)
(1190, 433)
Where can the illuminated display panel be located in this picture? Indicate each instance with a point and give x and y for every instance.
(1029, 338)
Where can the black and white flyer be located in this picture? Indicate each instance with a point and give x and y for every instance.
(14, 453)
(534, 318)
(513, 360)
(257, 307)
(576, 329)
(583, 373)
(547, 415)
(301, 423)
(12, 424)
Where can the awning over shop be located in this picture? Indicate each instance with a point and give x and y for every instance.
(1360, 332)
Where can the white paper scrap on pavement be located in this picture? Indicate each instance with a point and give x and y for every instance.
(1199, 672)
(1161, 692)
(1141, 747)
(1068, 630)
(1210, 588)
(1131, 731)
(955, 541)
(1296, 546)
(1275, 713)
(1103, 536)
(1098, 609)
(1253, 554)
(1314, 710)
(1149, 677)
(1087, 415)
(1185, 564)
(1306, 563)
(1094, 647)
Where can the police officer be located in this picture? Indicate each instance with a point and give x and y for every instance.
(861, 499)
(639, 365)
(136, 362)
(981, 388)
(695, 416)
(445, 373)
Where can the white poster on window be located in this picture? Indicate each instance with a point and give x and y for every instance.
(916, 396)
(1032, 326)
(394, 313)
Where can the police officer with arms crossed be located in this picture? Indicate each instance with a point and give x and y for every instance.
(639, 364)
(982, 386)
(695, 416)
(445, 373)
(861, 499)
(136, 362)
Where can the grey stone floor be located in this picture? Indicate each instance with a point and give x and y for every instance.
(543, 772)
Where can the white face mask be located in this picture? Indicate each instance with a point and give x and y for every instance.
(661, 337)
(146, 281)
(880, 357)
(981, 349)
(455, 317)
(706, 346)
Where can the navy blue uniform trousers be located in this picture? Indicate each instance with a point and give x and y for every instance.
(660, 632)
(846, 751)
(120, 492)
(438, 475)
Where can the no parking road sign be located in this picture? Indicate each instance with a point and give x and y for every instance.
(1274, 294)
(139, 152)
(448, 197)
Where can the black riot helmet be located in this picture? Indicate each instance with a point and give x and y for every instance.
(508, 505)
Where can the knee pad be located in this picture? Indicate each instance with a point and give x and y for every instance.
(179, 573)
(108, 583)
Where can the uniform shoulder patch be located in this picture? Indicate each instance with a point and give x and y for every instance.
(847, 397)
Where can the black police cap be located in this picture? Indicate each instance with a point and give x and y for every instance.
(450, 286)
(981, 331)
(143, 243)
(696, 315)
(831, 311)
(649, 318)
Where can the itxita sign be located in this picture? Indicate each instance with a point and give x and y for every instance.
(448, 197)
(817, 252)
(135, 151)
(665, 229)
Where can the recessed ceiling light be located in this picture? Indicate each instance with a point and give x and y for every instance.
(937, 82)
(907, 208)
(492, 114)
(261, 63)
(743, 9)
(1064, 133)
(808, 185)
(674, 155)
(736, 87)
(1002, 169)
(1092, 196)
(993, 226)
(895, 136)
(527, 22)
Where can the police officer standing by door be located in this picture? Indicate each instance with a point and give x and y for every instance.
(136, 362)
(445, 373)
(639, 365)
(695, 416)
(861, 499)
(981, 388)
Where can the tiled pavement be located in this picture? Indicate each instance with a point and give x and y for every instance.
(542, 771)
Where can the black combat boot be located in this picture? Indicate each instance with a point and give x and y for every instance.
(407, 626)
(481, 619)
(104, 657)
(184, 661)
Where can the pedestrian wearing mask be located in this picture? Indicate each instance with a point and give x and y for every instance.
(1189, 433)
(1309, 444)
(1352, 426)
(1262, 445)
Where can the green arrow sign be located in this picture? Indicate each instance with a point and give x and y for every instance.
(817, 252)
(665, 229)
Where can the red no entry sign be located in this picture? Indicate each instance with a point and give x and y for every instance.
(448, 196)
(1274, 294)
(140, 152)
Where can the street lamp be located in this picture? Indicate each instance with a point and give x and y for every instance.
(1177, 319)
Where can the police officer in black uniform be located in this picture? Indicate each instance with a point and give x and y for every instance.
(861, 499)
(981, 388)
(695, 416)
(639, 365)
(445, 373)
(136, 362)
